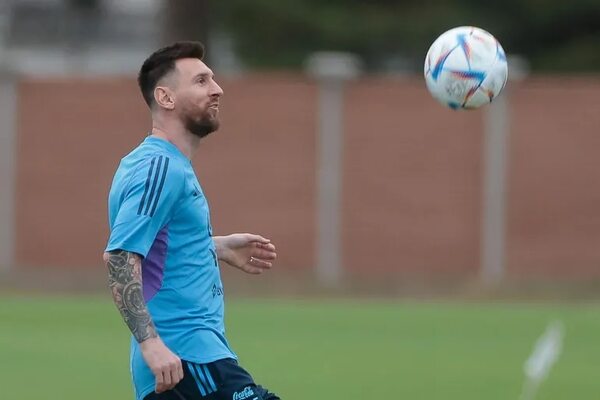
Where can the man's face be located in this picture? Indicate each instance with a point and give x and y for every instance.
(196, 96)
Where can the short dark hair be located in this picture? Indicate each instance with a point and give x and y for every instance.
(161, 62)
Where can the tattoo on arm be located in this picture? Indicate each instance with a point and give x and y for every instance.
(125, 282)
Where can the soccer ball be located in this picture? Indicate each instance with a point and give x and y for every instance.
(465, 68)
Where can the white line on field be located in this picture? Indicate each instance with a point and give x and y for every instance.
(545, 353)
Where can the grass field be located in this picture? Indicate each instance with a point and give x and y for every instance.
(76, 348)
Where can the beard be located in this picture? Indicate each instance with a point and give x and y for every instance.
(201, 125)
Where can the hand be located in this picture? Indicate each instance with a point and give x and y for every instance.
(250, 253)
(165, 365)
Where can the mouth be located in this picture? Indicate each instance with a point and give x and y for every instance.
(214, 106)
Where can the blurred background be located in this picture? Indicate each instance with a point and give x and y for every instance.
(421, 251)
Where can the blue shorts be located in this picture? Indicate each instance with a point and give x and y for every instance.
(219, 380)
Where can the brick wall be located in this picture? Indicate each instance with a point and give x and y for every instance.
(412, 173)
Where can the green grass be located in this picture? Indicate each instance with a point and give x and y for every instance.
(76, 348)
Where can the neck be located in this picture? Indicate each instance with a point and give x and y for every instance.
(185, 141)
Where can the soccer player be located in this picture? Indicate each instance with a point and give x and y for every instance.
(162, 258)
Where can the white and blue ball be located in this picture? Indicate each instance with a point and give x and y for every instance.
(465, 68)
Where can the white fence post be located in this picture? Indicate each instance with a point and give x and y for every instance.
(8, 154)
(332, 70)
(495, 170)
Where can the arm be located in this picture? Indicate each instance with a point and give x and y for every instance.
(125, 282)
(250, 253)
(135, 222)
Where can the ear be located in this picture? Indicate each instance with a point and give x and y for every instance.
(164, 97)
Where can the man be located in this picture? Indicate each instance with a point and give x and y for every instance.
(161, 256)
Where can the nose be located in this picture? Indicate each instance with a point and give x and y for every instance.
(216, 90)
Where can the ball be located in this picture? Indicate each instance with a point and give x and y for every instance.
(465, 68)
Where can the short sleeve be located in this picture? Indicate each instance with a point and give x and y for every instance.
(148, 203)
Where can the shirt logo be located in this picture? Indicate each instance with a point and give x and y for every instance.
(196, 192)
(244, 394)
(217, 291)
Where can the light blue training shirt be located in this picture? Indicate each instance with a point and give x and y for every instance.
(158, 210)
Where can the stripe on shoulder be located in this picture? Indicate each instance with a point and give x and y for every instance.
(154, 185)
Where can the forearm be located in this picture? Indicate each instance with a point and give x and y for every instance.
(125, 282)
